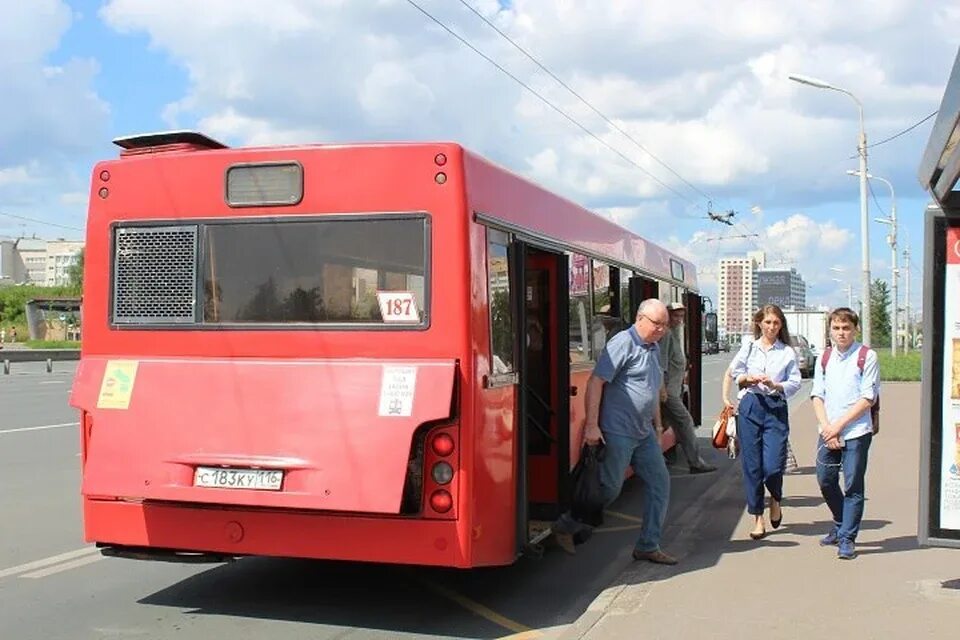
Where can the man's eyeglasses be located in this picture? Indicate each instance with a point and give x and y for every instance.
(658, 325)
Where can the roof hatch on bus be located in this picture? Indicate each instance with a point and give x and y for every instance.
(165, 141)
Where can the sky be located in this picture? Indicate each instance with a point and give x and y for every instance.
(673, 109)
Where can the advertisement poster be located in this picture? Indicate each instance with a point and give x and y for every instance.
(950, 459)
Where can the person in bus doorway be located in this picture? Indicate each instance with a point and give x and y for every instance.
(673, 361)
(846, 383)
(765, 369)
(623, 411)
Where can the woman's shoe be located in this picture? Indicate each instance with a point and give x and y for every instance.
(775, 523)
(757, 535)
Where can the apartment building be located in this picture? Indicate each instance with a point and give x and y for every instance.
(38, 261)
(737, 292)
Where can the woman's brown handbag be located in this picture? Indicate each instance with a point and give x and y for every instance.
(721, 429)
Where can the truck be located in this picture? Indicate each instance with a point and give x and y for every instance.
(812, 324)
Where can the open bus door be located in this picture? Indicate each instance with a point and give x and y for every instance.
(694, 305)
(543, 414)
(640, 289)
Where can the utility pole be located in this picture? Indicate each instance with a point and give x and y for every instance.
(908, 334)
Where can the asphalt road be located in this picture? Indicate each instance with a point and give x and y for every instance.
(54, 586)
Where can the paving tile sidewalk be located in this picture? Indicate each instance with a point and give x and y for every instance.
(787, 586)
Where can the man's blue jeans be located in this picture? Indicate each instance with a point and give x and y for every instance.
(646, 458)
(847, 505)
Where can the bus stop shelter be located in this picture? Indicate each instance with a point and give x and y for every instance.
(939, 512)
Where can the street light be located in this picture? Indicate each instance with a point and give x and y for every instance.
(864, 216)
(892, 241)
(849, 288)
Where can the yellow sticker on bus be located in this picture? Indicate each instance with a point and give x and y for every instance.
(117, 385)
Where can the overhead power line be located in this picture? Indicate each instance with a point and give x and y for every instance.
(49, 224)
(875, 201)
(584, 100)
(897, 135)
(550, 104)
(907, 130)
(733, 237)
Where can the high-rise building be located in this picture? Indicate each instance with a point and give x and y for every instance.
(737, 291)
(782, 287)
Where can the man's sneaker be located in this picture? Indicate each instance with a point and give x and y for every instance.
(830, 539)
(847, 550)
(656, 556)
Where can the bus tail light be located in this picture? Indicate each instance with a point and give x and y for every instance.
(441, 467)
(442, 444)
(442, 473)
(441, 501)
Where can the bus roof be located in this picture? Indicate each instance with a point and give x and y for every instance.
(498, 196)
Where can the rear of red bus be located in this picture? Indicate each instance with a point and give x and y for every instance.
(274, 346)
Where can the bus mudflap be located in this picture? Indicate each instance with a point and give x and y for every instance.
(302, 434)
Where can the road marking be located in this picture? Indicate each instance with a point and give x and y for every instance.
(41, 428)
(523, 635)
(46, 562)
(54, 382)
(66, 566)
(479, 609)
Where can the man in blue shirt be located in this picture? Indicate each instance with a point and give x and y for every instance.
(623, 410)
(843, 391)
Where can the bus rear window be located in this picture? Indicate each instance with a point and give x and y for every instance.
(318, 271)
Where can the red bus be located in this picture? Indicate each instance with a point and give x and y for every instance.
(368, 352)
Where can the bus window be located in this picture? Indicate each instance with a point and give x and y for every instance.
(625, 312)
(605, 321)
(580, 309)
(318, 271)
(501, 320)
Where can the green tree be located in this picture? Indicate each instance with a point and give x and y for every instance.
(75, 273)
(879, 313)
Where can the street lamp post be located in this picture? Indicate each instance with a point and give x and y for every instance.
(864, 216)
(849, 289)
(895, 271)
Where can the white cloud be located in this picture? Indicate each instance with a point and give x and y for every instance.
(800, 233)
(72, 198)
(15, 175)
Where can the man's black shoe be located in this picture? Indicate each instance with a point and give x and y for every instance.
(703, 468)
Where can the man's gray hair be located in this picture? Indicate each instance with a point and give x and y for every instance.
(649, 305)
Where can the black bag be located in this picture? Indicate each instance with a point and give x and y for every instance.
(588, 500)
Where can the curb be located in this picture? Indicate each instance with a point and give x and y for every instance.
(633, 584)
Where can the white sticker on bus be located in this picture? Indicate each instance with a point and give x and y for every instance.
(398, 306)
(396, 391)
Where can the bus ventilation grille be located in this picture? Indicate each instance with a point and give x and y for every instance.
(155, 275)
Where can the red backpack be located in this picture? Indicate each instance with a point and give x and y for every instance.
(861, 359)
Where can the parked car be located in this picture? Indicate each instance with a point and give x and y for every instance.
(709, 347)
(806, 360)
(724, 345)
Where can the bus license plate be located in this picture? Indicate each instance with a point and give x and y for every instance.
(261, 479)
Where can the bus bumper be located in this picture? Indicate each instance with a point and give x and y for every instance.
(224, 533)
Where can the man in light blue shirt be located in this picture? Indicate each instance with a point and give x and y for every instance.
(844, 389)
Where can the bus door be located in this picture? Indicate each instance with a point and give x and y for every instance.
(640, 289)
(694, 335)
(545, 386)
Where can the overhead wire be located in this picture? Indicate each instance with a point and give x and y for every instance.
(875, 201)
(897, 135)
(603, 116)
(560, 111)
(50, 224)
